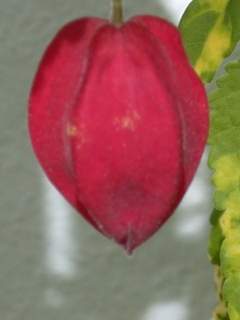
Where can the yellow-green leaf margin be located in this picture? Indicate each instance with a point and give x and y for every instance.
(224, 160)
(210, 30)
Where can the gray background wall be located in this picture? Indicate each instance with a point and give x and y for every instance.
(52, 264)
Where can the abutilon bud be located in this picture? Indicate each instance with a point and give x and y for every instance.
(118, 121)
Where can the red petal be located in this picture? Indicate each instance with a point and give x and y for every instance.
(55, 89)
(119, 120)
(190, 94)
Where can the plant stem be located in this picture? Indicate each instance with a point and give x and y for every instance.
(117, 12)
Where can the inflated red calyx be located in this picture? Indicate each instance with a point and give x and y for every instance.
(119, 120)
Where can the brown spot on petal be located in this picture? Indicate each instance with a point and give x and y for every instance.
(71, 130)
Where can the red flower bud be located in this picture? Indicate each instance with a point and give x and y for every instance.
(119, 120)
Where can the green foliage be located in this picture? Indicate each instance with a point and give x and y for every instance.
(231, 295)
(210, 31)
(215, 242)
(224, 160)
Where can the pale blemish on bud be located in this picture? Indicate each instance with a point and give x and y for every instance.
(128, 121)
(79, 132)
(71, 130)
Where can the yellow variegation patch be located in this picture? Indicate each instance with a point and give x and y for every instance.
(217, 5)
(233, 247)
(210, 31)
(230, 220)
(227, 173)
(233, 314)
(230, 258)
(216, 47)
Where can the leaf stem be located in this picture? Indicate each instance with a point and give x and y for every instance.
(117, 12)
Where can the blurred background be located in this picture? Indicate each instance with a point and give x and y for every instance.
(53, 265)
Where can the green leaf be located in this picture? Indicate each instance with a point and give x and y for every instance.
(215, 216)
(224, 160)
(225, 124)
(214, 245)
(233, 9)
(230, 257)
(231, 292)
(215, 238)
(210, 30)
